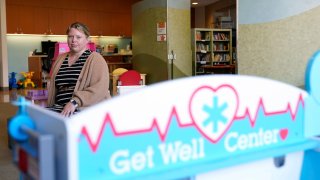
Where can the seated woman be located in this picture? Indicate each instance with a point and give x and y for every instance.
(80, 78)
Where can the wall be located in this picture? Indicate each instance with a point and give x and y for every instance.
(4, 82)
(19, 47)
(275, 41)
(179, 37)
(205, 16)
(14, 58)
(220, 8)
(200, 20)
(151, 56)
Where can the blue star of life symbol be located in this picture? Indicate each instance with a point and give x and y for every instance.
(215, 113)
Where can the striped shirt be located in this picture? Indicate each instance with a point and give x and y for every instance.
(66, 80)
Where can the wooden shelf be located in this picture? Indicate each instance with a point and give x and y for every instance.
(219, 69)
(35, 65)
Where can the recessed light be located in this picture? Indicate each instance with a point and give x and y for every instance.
(194, 3)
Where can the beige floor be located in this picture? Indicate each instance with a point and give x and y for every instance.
(8, 171)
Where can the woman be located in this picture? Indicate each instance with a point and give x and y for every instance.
(80, 78)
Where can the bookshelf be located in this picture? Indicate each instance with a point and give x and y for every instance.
(211, 47)
(202, 49)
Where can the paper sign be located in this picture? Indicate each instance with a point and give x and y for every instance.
(161, 28)
(162, 37)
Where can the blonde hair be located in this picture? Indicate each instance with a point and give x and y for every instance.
(80, 27)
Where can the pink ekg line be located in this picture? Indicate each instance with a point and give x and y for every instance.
(252, 120)
(94, 145)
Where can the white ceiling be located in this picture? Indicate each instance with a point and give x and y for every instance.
(202, 3)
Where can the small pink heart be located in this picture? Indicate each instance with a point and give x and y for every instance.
(284, 133)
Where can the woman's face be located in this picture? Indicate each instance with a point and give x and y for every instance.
(77, 40)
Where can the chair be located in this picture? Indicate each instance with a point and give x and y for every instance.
(129, 81)
(115, 77)
(118, 71)
(130, 78)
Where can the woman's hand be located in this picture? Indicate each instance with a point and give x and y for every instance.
(68, 109)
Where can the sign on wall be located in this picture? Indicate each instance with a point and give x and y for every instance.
(161, 31)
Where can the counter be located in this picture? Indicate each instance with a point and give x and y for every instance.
(115, 61)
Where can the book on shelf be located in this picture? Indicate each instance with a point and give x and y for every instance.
(198, 57)
(207, 36)
(203, 62)
(221, 36)
(221, 58)
(203, 58)
(220, 47)
(198, 35)
(204, 48)
(202, 36)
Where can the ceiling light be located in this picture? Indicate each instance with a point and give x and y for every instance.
(194, 3)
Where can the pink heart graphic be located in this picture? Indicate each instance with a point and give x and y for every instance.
(212, 110)
(284, 133)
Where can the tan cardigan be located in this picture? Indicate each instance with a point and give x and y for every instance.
(93, 82)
